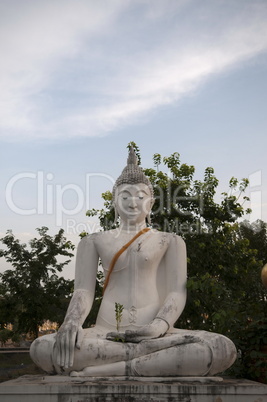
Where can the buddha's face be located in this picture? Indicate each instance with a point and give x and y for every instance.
(133, 202)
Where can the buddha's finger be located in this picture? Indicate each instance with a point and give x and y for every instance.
(62, 350)
(59, 349)
(71, 349)
(115, 336)
(111, 335)
(132, 336)
(67, 350)
(134, 339)
(79, 339)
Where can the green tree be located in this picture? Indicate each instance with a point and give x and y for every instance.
(225, 257)
(32, 292)
(256, 234)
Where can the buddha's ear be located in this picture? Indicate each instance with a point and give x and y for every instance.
(148, 218)
(116, 215)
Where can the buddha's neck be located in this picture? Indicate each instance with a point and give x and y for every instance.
(131, 228)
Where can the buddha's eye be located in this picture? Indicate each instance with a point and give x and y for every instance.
(140, 197)
(124, 197)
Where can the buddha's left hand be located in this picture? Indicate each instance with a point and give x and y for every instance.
(155, 329)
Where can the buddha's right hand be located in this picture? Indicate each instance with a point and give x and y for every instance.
(68, 337)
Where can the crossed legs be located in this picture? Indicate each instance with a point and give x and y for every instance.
(181, 353)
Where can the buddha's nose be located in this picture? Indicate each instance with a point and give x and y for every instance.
(132, 203)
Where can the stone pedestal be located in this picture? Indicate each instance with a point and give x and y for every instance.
(131, 389)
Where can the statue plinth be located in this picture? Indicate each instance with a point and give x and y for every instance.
(196, 389)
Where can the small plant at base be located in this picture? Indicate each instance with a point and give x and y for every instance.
(118, 311)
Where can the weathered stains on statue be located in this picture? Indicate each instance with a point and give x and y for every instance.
(132, 315)
(164, 240)
(166, 309)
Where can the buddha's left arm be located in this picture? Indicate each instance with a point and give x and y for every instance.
(176, 271)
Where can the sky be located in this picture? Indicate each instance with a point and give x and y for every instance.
(79, 79)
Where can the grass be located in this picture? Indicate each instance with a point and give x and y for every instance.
(13, 365)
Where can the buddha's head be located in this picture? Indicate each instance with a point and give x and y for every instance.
(132, 193)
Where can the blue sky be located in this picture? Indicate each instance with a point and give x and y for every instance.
(80, 79)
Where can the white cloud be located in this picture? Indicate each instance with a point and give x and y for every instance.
(87, 68)
(36, 37)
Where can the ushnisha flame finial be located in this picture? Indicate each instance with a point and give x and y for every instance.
(132, 158)
(132, 174)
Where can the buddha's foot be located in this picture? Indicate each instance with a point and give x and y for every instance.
(105, 370)
(76, 373)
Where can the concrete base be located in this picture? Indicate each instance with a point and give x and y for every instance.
(121, 389)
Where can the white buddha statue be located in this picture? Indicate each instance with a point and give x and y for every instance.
(148, 278)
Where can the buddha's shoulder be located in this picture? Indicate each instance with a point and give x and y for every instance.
(168, 237)
(92, 238)
(99, 236)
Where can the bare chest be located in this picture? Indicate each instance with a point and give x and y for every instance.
(144, 253)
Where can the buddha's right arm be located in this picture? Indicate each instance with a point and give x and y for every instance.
(85, 280)
(70, 333)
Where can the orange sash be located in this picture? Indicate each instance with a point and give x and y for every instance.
(116, 256)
